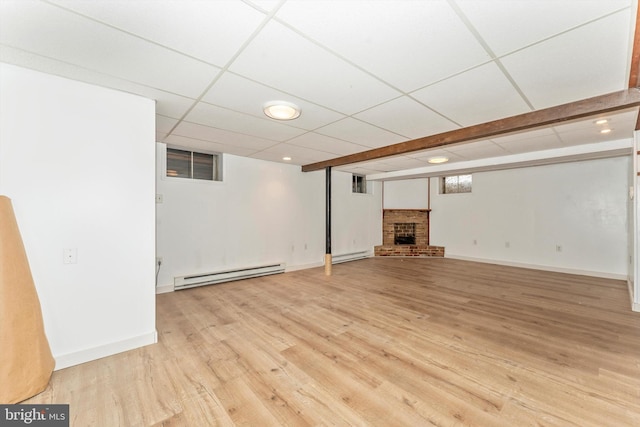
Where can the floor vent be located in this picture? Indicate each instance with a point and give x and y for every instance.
(352, 256)
(191, 281)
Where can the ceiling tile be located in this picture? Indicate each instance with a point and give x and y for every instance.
(327, 144)
(361, 133)
(164, 125)
(220, 136)
(406, 117)
(197, 144)
(404, 162)
(622, 126)
(265, 5)
(221, 118)
(510, 25)
(475, 150)
(585, 136)
(407, 43)
(540, 139)
(588, 61)
(243, 95)
(476, 96)
(373, 166)
(427, 154)
(52, 32)
(299, 155)
(615, 120)
(360, 170)
(212, 31)
(293, 64)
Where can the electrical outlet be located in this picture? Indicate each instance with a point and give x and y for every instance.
(70, 256)
(158, 260)
(475, 242)
(507, 244)
(558, 248)
(159, 198)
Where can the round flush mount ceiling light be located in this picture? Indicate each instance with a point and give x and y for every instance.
(286, 158)
(601, 121)
(281, 110)
(437, 160)
(605, 131)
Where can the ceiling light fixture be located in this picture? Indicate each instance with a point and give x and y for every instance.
(437, 160)
(286, 158)
(281, 110)
(601, 121)
(605, 131)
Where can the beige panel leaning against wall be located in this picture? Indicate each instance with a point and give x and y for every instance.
(26, 362)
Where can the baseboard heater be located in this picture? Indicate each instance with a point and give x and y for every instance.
(191, 281)
(352, 256)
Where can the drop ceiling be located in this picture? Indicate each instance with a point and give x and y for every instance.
(366, 74)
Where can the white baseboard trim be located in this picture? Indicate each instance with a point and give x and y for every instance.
(634, 305)
(87, 355)
(599, 274)
(163, 289)
(290, 268)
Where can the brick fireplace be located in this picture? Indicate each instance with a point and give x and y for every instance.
(405, 232)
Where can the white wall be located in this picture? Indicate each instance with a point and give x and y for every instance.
(356, 218)
(580, 206)
(406, 194)
(262, 212)
(78, 163)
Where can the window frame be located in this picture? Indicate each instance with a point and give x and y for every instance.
(459, 187)
(217, 165)
(354, 185)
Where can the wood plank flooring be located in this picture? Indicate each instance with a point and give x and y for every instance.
(382, 342)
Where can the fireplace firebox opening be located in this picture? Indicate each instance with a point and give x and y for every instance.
(404, 234)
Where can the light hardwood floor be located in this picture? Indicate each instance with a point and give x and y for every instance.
(384, 342)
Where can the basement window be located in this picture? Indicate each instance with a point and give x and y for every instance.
(358, 184)
(456, 184)
(193, 165)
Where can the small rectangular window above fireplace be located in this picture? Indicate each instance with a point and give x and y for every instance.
(456, 184)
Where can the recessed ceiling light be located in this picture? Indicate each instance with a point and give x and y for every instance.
(286, 158)
(605, 131)
(281, 110)
(439, 159)
(601, 121)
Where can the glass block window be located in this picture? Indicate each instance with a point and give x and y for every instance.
(193, 165)
(456, 184)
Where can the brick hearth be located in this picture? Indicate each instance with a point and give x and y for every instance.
(419, 217)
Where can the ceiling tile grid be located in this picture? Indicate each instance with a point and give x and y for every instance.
(365, 74)
(211, 31)
(408, 44)
(285, 60)
(579, 64)
(243, 95)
